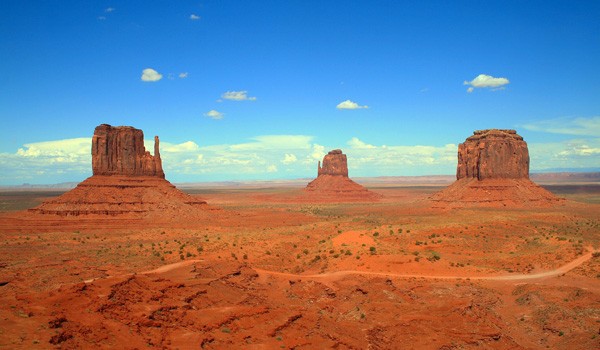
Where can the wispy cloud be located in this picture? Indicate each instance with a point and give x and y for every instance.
(213, 114)
(194, 17)
(150, 75)
(237, 96)
(349, 105)
(569, 154)
(567, 126)
(183, 75)
(289, 158)
(109, 9)
(486, 81)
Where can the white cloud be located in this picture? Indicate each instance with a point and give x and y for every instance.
(358, 144)
(194, 17)
(101, 18)
(150, 75)
(567, 126)
(109, 9)
(275, 142)
(166, 147)
(237, 96)
(272, 169)
(214, 114)
(183, 75)
(318, 152)
(397, 159)
(349, 105)
(61, 149)
(289, 158)
(569, 154)
(486, 81)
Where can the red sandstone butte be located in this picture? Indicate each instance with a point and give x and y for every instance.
(493, 154)
(126, 180)
(334, 163)
(493, 169)
(333, 182)
(120, 151)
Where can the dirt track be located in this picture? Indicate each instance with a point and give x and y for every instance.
(340, 274)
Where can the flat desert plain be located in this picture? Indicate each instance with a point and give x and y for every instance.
(267, 267)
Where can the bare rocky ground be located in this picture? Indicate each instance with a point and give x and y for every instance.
(275, 269)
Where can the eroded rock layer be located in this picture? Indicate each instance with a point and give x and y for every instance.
(493, 170)
(117, 195)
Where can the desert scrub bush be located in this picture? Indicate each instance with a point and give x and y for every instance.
(596, 254)
(435, 256)
(373, 250)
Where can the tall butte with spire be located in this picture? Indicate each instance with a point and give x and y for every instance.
(493, 170)
(120, 151)
(126, 179)
(333, 183)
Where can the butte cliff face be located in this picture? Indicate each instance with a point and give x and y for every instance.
(493, 170)
(120, 151)
(127, 180)
(493, 154)
(333, 183)
(334, 163)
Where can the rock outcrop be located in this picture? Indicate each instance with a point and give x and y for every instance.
(333, 183)
(493, 154)
(120, 151)
(493, 170)
(334, 163)
(126, 180)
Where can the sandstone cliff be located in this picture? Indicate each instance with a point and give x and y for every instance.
(120, 151)
(334, 163)
(493, 154)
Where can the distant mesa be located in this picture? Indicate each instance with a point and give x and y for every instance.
(333, 182)
(126, 180)
(493, 169)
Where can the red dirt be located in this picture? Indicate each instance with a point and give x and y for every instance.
(265, 272)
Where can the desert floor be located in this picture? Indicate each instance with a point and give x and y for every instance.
(263, 268)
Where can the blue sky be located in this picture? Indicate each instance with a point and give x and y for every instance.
(262, 89)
